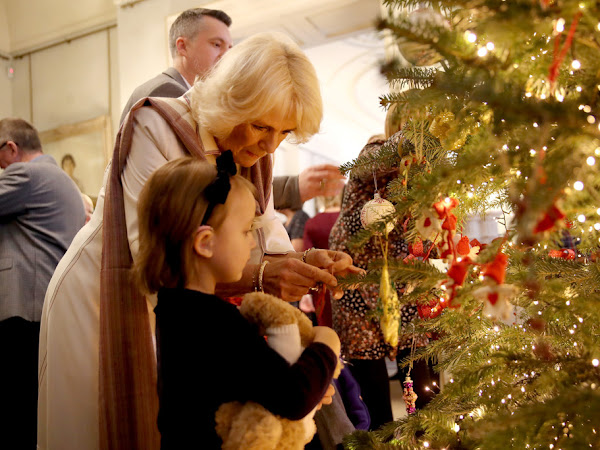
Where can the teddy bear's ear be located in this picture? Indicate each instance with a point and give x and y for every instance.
(252, 427)
(267, 310)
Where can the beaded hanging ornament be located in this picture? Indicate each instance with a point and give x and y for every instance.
(409, 395)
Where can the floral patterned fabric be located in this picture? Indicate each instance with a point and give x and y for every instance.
(354, 315)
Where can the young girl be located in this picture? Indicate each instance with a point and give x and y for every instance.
(194, 232)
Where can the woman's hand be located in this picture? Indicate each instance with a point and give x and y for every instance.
(338, 264)
(289, 278)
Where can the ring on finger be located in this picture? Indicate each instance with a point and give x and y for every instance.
(315, 288)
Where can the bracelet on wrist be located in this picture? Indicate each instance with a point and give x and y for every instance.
(258, 287)
(305, 254)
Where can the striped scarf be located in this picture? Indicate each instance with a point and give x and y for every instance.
(127, 386)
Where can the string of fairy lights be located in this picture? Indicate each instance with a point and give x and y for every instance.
(495, 387)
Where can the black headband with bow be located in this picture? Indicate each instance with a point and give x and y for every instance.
(216, 192)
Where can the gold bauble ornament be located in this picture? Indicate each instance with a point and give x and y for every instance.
(442, 124)
(416, 53)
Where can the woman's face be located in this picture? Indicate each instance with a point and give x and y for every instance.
(251, 141)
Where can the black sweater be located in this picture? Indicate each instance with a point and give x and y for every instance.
(208, 354)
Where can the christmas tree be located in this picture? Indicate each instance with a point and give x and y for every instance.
(500, 101)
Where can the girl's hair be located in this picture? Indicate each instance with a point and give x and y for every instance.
(170, 208)
(264, 73)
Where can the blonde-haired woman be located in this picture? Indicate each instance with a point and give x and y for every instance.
(97, 362)
(268, 75)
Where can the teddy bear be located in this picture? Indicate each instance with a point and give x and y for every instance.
(250, 426)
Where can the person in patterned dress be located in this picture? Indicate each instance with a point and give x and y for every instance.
(354, 316)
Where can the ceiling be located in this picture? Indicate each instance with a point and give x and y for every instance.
(310, 22)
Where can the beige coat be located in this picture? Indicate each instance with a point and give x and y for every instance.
(69, 335)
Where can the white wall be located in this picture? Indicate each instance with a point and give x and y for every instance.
(70, 82)
(351, 86)
(67, 83)
(5, 85)
(21, 91)
(64, 85)
(5, 90)
(143, 48)
(34, 23)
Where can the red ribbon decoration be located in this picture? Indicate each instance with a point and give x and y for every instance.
(547, 222)
(559, 55)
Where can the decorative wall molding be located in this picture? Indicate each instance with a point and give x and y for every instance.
(126, 3)
(63, 40)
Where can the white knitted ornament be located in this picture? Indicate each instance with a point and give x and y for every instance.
(376, 210)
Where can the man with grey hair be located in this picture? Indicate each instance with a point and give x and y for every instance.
(197, 40)
(40, 213)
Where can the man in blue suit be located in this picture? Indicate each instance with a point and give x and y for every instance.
(41, 210)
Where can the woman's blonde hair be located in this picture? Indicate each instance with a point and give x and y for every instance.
(170, 208)
(264, 73)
